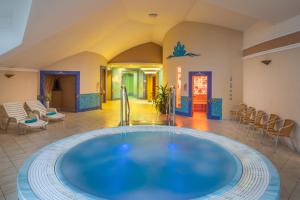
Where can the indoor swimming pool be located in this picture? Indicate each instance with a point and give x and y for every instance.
(148, 162)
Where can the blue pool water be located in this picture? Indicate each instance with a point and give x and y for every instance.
(148, 165)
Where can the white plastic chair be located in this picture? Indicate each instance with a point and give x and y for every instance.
(37, 107)
(15, 111)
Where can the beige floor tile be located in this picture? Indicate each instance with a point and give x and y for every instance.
(15, 148)
(11, 196)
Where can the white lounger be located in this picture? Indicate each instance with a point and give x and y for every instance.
(15, 111)
(50, 114)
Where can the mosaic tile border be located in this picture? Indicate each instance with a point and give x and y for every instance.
(37, 178)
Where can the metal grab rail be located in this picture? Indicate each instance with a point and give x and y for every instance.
(171, 107)
(124, 106)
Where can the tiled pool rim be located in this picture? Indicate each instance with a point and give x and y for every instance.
(37, 178)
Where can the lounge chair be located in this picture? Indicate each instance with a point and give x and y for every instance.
(50, 114)
(15, 112)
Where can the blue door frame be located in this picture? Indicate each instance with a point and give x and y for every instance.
(43, 75)
(209, 91)
(102, 87)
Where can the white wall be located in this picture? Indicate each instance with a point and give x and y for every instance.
(265, 31)
(21, 87)
(88, 64)
(220, 50)
(275, 88)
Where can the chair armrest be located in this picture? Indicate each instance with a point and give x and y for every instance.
(31, 115)
(35, 112)
(51, 110)
(287, 126)
(274, 121)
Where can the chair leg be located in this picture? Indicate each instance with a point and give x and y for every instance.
(276, 142)
(20, 129)
(248, 131)
(7, 123)
(263, 137)
(294, 146)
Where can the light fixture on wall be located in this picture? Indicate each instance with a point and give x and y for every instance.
(153, 15)
(9, 74)
(150, 72)
(266, 62)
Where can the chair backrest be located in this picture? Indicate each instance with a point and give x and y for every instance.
(36, 105)
(258, 117)
(242, 107)
(273, 119)
(15, 110)
(250, 111)
(242, 110)
(287, 127)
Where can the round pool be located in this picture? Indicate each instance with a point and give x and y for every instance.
(146, 165)
(147, 162)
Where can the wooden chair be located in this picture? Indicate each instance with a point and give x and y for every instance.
(258, 121)
(234, 111)
(271, 123)
(237, 111)
(284, 131)
(260, 124)
(248, 116)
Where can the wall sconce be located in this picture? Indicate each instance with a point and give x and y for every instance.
(9, 75)
(266, 62)
(185, 87)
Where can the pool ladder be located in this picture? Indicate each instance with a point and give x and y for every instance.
(124, 107)
(171, 107)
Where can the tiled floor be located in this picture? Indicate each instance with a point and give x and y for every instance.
(15, 148)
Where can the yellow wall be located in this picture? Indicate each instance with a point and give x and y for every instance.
(89, 66)
(275, 88)
(108, 85)
(144, 53)
(21, 87)
(220, 50)
(149, 83)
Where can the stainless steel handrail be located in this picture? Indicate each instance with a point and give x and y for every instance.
(124, 106)
(171, 108)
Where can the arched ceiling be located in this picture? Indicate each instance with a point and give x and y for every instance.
(60, 28)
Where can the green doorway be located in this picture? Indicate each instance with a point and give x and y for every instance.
(128, 81)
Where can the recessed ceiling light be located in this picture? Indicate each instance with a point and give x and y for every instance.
(153, 15)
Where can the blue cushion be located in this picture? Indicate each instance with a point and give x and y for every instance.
(51, 113)
(32, 120)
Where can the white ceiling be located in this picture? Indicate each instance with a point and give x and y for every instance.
(13, 20)
(60, 28)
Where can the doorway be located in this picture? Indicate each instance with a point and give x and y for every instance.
(63, 88)
(151, 86)
(127, 79)
(200, 94)
(102, 87)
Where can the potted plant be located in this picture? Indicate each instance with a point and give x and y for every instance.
(47, 100)
(161, 99)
